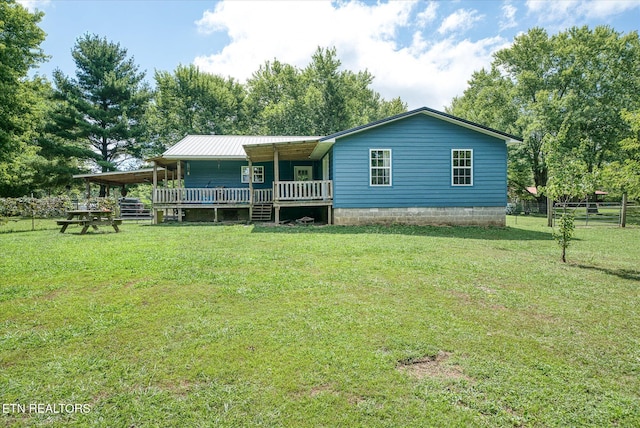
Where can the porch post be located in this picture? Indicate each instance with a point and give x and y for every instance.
(329, 214)
(179, 191)
(88, 188)
(153, 195)
(276, 180)
(250, 190)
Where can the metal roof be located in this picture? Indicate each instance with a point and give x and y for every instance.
(241, 147)
(223, 146)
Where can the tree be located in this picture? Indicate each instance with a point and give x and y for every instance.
(622, 176)
(569, 179)
(276, 101)
(577, 81)
(20, 39)
(104, 105)
(318, 100)
(189, 101)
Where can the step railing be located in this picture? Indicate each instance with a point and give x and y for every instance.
(262, 196)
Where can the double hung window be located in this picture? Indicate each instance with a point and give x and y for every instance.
(380, 167)
(462, 167)
(258, 174)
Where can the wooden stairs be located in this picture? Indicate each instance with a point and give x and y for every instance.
(262, 212)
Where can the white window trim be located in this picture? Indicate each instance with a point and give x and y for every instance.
(255, 168)
(472, 167)
(390, 168)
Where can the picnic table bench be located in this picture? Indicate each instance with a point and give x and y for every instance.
(90, 218)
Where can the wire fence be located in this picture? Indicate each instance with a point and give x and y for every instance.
(587, 213)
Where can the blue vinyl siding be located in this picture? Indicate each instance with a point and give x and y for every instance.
(421, 166)
(226, 173)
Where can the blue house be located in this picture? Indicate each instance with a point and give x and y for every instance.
(419, 167)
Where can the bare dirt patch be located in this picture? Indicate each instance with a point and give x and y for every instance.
(432, 366)
(321, 389)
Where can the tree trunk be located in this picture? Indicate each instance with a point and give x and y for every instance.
(550, 215)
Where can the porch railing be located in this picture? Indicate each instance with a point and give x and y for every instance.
(202, 196)
(282, 191)
(303, 190)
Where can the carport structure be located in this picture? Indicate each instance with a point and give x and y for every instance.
(115, 179)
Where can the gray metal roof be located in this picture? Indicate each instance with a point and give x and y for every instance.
(223, 146)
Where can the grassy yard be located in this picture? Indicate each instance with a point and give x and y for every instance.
(200, 325)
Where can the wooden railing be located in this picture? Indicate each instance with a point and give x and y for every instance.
(303, 190)
(202, 196)
(262, 196)
(282, 191)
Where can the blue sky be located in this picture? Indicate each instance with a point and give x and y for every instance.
(422, 51)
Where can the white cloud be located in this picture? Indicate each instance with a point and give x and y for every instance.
(460, 20)
(428, 15)
(508, 16)
(570, 12)
(422, 70)
(33, 4)
(605, 9)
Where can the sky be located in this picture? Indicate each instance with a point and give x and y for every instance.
(421, 51)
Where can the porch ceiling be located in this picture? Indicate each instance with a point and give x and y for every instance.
(286, 151)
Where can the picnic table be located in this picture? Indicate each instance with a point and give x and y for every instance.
(90, 218)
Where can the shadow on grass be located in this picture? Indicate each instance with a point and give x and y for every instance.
(629, 274)
(462, 232)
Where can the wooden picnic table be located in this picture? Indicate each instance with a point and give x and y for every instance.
(90, 218)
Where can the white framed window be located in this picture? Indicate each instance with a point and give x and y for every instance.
(462, 167)
(258, 174)
(380, 167)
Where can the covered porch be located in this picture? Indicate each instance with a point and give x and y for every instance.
(307, 189)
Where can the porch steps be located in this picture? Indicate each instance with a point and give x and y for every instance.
(262, 212)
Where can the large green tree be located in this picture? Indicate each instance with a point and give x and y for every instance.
(320, 99)
(189, 101)
(622, 176)
(20, 39)
(576, 83)
(103, 106)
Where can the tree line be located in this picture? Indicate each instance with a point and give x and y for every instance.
(107, 117)
(573, 97)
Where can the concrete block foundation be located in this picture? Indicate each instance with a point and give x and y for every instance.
(453, 216)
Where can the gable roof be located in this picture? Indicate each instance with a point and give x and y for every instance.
(429, 112)
(325, 143)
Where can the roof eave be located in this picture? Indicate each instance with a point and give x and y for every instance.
(204, 157)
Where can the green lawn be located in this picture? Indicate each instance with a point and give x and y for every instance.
(201, 325)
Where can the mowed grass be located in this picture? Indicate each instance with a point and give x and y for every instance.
(202, 325)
